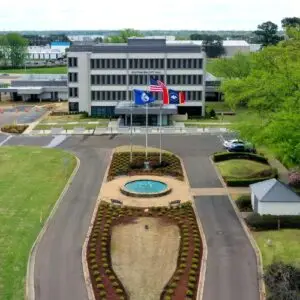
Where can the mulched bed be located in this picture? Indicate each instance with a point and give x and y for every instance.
(14, 128)
(120, 165)
(184, 282)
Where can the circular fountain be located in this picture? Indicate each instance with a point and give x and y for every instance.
(146, 188)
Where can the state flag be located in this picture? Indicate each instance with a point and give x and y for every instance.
(142, 97)
(176, 97)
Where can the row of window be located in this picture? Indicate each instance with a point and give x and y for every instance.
(73, 92)
(144, 79)
(73, 77)
(121, 95)
(150, 63)
(72, 62)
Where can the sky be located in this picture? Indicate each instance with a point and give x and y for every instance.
(143, 15)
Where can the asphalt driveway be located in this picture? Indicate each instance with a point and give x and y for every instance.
(22, 140)
(58, 269)
(231, 272)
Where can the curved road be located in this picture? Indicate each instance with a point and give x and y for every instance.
(231, 265)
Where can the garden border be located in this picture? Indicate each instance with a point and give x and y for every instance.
(258, 255)
(29, 281)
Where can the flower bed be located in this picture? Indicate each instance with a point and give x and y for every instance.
(120, 165)
(184, 282)
(14, 128)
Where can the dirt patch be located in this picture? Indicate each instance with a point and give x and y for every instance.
(150, 255)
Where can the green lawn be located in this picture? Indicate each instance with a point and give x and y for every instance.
(73, 118)
(285, 245)
(217, 106)
(240, 168)
(31, 180)
(44, 70)
(201, 125)
(69, 126)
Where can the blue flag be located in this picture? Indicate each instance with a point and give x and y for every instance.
(174, 97)
(142, 97)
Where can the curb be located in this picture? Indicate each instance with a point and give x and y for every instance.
(201, 281)
(85, 268)
(260, 272)
(29, 284)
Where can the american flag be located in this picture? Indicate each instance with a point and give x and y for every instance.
(156, 85)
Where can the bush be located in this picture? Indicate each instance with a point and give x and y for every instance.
(221, 156)
(14, 128)
(294, 179)
(244, 203)
(212, 113)
(270, 222)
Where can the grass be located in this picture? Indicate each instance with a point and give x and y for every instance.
(31, 180)
(201, 125)
(44, 70)
(72, 118)
(69, 126)
(241, 168)
(217, 106)
(285, 245)
(235, 196)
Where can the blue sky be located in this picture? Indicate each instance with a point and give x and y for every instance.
(138, 14)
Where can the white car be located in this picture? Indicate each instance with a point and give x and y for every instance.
(228, 144)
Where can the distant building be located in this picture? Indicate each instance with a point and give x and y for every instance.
(37, 87)
(271, 197)
(60, 46)
(102, 77)
(51, 52)
(255, 47)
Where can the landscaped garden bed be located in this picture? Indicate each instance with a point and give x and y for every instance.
(14, 128)
(183, 283)
(243, 169)
(120, 165)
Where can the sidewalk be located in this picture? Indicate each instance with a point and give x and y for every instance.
(283, 173)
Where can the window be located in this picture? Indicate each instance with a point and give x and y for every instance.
(73, 92)
(73, 106)
(92, 79)
(92, 64)
(73, 77)
(72, 62)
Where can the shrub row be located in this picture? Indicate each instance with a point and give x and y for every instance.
(221, 156)
(270, 222)
(14, 128)
(248, 181)
(244, 203)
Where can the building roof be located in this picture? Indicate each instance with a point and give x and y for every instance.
(272, 190)
(226, 43)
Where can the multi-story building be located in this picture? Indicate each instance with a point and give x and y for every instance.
(101, 77)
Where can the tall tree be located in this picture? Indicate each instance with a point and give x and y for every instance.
(213, 46)
(238, 66)
(267, 34)
(16, 47)
(290, 22)
(272, 92)
(123, 36)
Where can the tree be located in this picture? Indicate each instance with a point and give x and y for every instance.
(98, 39)
(238, 66)
(290, 22)
(271, 91)
(213, 46)
(267, 34)
(16, 47)
(123, 36)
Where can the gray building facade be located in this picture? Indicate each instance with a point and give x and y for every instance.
(101, 77)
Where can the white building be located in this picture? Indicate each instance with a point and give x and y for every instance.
(102, 77)
(271, 197)
(51, 52)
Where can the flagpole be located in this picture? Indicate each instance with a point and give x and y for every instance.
(131, 109)
(146, 130)
(160, 141)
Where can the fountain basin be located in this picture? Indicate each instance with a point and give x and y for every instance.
(146, 188)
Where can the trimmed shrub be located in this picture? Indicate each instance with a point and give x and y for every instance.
(221, 156)
(294, 179)
(270, 222)
(244, 203)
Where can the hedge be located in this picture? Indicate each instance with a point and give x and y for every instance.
(247, 181)
(244, 203)
(270, 222)
(221, 156)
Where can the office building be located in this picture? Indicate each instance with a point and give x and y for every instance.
(101, 77)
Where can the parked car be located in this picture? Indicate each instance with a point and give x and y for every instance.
(229, 143)
(244, 147)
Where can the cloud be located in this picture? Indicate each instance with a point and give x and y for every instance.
(139, 14)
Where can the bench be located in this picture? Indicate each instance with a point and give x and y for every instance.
(174, 203)
(116, 202)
